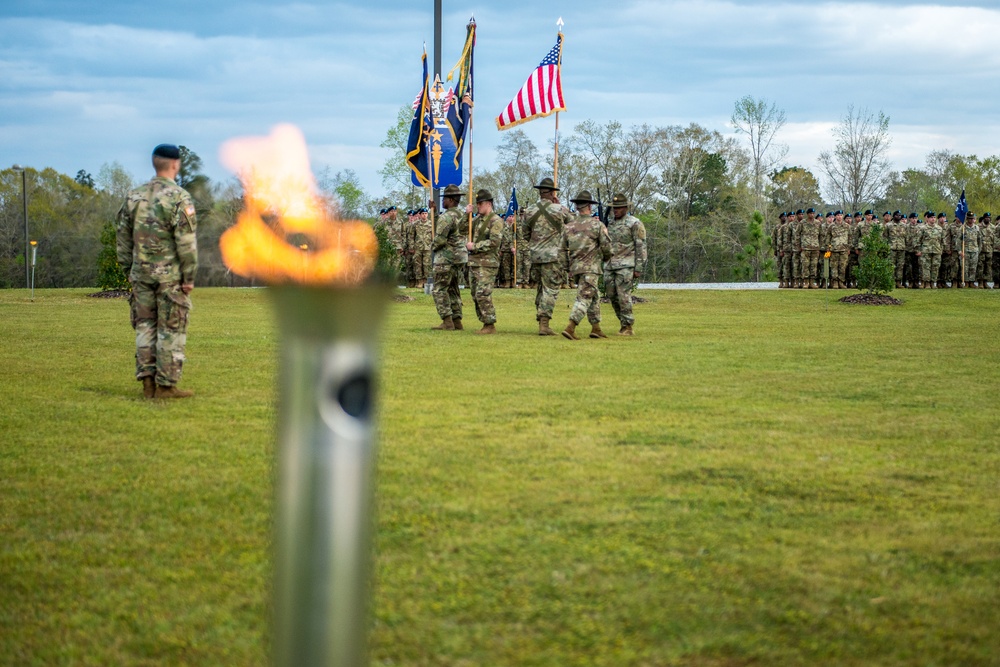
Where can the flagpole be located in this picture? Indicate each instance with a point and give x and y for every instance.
(555, 162)
(470, 170)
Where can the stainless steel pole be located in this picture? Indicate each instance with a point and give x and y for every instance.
(326, 466)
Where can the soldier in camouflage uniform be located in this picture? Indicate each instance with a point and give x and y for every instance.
(809, 242)
(996, 257)
(628, 260)
(795, 240)
(543, 226)
(986, 232)
(523, 267)
(587, 244)
(158, 251)
(450, 258)
(945, 272)
(408, 242)
(484, 259)
(505, 276)
(420, 245)
(838, 243)
(931, 245)
(913, 234)
(896, 231)
(779, 254)
(787, 251)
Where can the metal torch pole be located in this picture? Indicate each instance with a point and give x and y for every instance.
(326, 465)
(34, 250)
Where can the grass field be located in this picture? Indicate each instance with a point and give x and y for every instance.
(766, 478)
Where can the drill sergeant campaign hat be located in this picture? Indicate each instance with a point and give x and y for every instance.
(453, 191)
(483, 195)
(583, 198)
(619, 201)
(546, 184)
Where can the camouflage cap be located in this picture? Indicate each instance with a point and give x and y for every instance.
(583, 198)
(546, 184)
(619, 201)
(483, 195)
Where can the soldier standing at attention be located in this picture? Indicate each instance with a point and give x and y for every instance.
(628, 260)
(913, 233)
(795, 229)
(587, 244)
(408, 248)
(996, 257)
(505, 276)
(484, 259)
(839, 238)
(543, 226)
(931, 245)
(450, 258)
(986, 232)
(896, 231)
(776, 248)
(809, 241)
(158, 250)
(945, 271)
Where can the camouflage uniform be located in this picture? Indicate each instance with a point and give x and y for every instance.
(543, 226)
(787, 252)
(911, 274)
(484, 261)
(408, 245)
(967, 237)
(523, 267)
(809, 242)
(628, 257)
(838, 243)
(795, 242)
(931, 245)
(450, 259)
(420, 241)
(158, 250)
(587, 245)
(996, 257)
(983, 270)
(505, 276)
(897, 245)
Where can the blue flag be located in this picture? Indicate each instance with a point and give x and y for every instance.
(420, 129)
(458, 114)
(512, 206)
(962, 207)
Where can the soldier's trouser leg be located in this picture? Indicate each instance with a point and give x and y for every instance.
(898, 265)
(444, 276)
(933, 262)
(483, 278)
(985, 265)
(618, 285)
(996, 269)
(588, 299)
(549, 278)
(797, 266)
(971, 262)
(160, 318)
(838, 267)
(812, 264)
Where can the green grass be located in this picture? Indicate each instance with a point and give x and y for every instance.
(757, 478)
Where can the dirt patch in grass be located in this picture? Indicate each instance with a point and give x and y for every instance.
(111, 294)
(872, 300)
(402, 298)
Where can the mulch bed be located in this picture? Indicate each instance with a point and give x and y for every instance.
(111, 294)
(872, 300)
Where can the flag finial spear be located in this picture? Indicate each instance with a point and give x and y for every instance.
(560, 24)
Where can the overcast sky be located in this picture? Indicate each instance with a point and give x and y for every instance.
(83, 84)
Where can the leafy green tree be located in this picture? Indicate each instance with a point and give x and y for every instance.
(793, 188)
(755, 261)
(109, 273)
(84, 179)
(875, 269)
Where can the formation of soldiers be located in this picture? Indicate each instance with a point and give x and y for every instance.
(927, 253)
(545, 246)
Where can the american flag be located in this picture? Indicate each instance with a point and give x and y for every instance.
(540, 95)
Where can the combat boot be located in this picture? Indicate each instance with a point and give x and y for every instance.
(982, 284)
(570, 331)
(487, 329)
(458, 323)
(543, 327)
(148, 386)
(595, 331)
(171, 392)
(447, 324)
(626, 331)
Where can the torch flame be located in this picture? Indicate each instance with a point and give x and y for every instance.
(279, 185)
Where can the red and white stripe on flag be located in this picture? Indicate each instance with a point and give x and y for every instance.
(540, 95)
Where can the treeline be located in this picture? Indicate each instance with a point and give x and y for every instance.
(709, 201)
(69, 216)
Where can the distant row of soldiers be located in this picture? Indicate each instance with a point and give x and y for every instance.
(928, 253)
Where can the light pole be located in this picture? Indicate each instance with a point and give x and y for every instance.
(24, 200)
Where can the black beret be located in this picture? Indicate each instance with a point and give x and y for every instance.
(912, 215)
(987, 215)
(800, 211)
(869, 212)
(929, 214)
(168, 151)
(942, 214)
(838, 212)
(422, 210)
(391, 208)
(887, 213)
(808, 210)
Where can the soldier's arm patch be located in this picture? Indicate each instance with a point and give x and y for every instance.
(189, 211)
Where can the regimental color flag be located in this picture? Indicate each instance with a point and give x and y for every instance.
(962, 208)
(458, 114)
(512, 205)
(421, 126)
(540, 95)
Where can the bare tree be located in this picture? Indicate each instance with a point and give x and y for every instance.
(858, 171)
(760, 121)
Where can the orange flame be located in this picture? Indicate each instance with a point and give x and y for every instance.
(279, 185)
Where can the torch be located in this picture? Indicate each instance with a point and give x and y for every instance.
(329, 311)
(34, 253)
